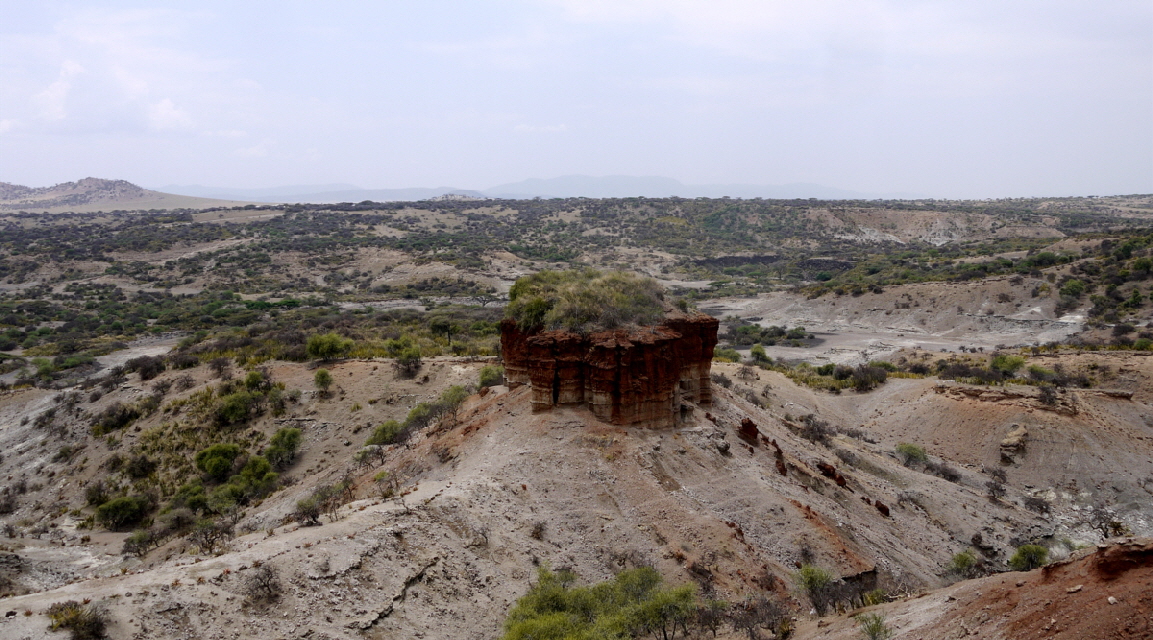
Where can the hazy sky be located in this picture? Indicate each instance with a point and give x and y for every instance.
(979, 98)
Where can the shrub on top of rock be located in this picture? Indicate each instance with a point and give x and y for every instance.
(585, 300)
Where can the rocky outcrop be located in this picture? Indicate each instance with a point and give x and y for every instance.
(1014, 443)
(629, 377)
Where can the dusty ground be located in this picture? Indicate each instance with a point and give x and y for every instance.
(932, 316)
(448, 559)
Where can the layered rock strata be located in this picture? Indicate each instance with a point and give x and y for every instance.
(642, 377)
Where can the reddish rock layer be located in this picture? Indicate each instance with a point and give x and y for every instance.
(637, 377)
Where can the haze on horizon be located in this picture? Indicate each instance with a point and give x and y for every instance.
(953, 100)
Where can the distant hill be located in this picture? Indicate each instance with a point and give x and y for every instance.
(96, 194)
(571, 186)
(320, 194)
(574, 186)
(267, 194)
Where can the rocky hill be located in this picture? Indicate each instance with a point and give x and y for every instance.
(92, 194)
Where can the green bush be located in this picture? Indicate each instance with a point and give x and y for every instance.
(307, 511)
(633, 604)
(123, 512)
(190, 495)
(1143, 344)
(408, 362)
(226, 498)
(964, 565)
(873, 627)
(256, 478)
(138, 543)
(1037, 372)
(282, 448)
(1074, 288)
(328, 346)
(883, 364)
(420, 416)
(1029, 557)
(491, 375)
(451, 399)
(322, 380)
(817, 584)
(385, 433)
(216, 461)
(254, 381)
(235, 408)
(1006, 364)
(210, 534)
(726, 355)
(911, 454)
(585, 300)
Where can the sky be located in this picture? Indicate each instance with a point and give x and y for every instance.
(972, 99)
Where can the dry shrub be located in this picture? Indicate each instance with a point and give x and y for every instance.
(83, 621)
(262, 584)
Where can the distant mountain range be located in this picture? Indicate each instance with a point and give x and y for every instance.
(573, 186)
(96, 194)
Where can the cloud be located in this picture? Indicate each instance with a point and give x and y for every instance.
(164, 115)
(259, 150)
(6, 126)
(111, 71)
(226, 133)
(531, 128)
(52, 101)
